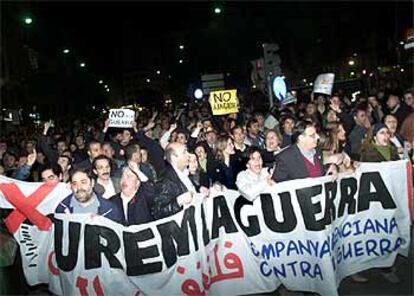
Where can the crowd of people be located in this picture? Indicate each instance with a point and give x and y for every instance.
(157, 167)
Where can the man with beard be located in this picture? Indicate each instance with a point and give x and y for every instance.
(84, 200)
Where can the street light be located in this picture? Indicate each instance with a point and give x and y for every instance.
(66, 51)
(100, 81)
(82, 65)
(198, 93)
(217, 10)
(148, 80)
(158, 72)
(106, 86)
(107, 89)
(180, 61)
(28, 20)
(181, 47)
(351, 62)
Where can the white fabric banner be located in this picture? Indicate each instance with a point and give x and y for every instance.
(305, 234)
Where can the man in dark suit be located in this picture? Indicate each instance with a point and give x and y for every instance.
(134, 198)
(174, 189)
(302, 159)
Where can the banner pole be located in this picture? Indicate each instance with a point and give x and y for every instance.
(269, 91)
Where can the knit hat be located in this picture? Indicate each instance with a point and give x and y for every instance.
(377, 127)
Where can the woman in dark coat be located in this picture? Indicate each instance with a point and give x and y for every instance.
(198, 177)
(224, 166)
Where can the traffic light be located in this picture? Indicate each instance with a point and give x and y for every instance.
(272, 59)
(258, 75)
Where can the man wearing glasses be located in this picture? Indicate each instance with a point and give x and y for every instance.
(302, 159)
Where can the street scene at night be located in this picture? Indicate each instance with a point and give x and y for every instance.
(206, 148)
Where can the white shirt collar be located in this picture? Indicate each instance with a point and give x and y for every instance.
(183, 176)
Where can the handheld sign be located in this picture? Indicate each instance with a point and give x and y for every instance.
(324, 83)
(121, 118)
(224, 102)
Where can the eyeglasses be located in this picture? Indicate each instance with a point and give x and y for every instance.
(313, 136)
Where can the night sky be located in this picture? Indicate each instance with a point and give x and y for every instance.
(115, 38)
(136, 35)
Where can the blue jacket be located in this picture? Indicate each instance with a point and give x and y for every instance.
(106, 208)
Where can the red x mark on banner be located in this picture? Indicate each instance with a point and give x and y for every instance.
(26, 206)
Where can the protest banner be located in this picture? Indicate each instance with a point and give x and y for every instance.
(121, 118)
(224, 102)
(306, 234)
(324, 83)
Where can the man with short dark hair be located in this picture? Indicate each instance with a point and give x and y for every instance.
(65, 163)
(106, 185)
(84, 200)
(80, 154)
(302, 159)
(94, 150)
(288, 123)
(51, 172)
(359, 131)
(240, 147)
(254, 136)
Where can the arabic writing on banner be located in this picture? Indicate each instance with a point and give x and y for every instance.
(224, 102)
(305, 234)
